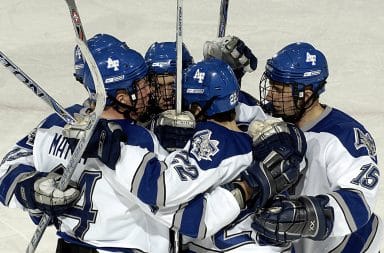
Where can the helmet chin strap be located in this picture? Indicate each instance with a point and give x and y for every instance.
(124, 109)
(301, 109)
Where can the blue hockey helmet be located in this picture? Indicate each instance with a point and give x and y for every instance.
(212, 85)
(120, 68)
(103, 40)
(95, 44)
(161, 58)
(296, 68)
(299, 64)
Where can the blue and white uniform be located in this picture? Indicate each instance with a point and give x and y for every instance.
(214, 156)
(342, 164)
(248, 109)
(238, 236)
(103, 218)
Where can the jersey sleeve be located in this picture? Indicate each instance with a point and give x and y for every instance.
(17, 162)
(352, 176)
(194, 213)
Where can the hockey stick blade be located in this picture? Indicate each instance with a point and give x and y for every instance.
(92, 119)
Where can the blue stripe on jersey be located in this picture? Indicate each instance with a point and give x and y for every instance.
(246, 98)
(224, 143)
(350, 132)
(24, 143)
(356, 206)
(72, 240)
(192, 217)
(137, 135)
(359, 240)
(146, 179)
(9, 179)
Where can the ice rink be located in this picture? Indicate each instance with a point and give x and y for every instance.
(38, 36)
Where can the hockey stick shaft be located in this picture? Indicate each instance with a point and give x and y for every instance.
(179, 87)
(223, 16)
(179, 53)
(40, 92)
(93, 119)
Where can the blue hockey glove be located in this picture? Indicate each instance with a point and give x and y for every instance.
(279, 157)
(287, 219)
(173, 131)
(38, 190)
(104, 143)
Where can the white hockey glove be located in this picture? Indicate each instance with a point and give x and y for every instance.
(38, 190)
(279, 158)
(234, 52)
(173, 131)
(287, 219)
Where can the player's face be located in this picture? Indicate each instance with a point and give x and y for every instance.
(164, 90)
(280, 95)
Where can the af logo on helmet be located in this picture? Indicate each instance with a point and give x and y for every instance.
(199, 76)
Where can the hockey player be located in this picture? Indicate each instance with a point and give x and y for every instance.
(159, 56)
(161, 60)
(237, 54)
(101, 219)
(332, 206)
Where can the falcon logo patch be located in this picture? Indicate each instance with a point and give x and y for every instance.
(203, 148)
(365, 140)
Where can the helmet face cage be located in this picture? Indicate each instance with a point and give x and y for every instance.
(282, 100)
(140, 99)
(161, 60)
(163, 90)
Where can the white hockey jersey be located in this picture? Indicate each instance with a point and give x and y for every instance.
(105, 217)
(342, 164)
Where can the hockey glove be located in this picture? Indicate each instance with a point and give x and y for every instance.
(288, 219)
(38, 190)
(234, 52)
(279, 151)
(104, 143)
(173, 131)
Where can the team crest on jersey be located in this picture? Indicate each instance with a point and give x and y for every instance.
(203, 148)
(364, 140)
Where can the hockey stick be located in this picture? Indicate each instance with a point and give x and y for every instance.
(179, 87)
(40, 92)
(179, 54)
(223, 16)
(91, 120)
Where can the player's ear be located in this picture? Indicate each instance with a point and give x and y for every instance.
(195, 109)
(307, 94)
(123, 98)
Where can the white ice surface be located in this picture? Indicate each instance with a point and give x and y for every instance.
(38, 36)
